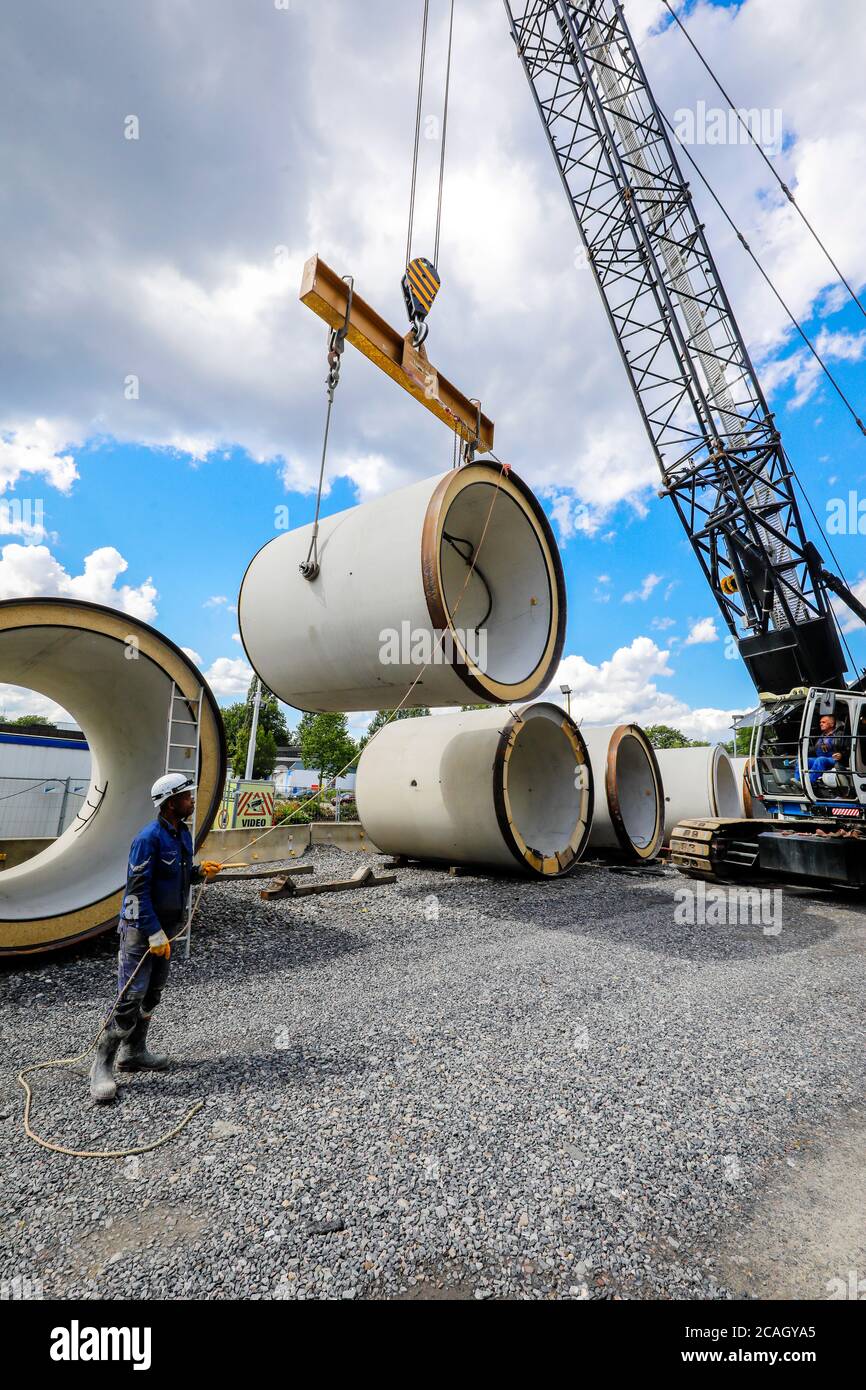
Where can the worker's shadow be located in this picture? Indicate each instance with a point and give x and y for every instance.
(278, 1068)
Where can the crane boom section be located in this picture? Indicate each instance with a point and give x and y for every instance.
(719, 452)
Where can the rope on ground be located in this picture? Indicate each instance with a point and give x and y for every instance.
(59, 1062)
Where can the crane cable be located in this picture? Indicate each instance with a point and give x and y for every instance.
(419, 100)
(780, 181)
(809, 344)
(444, 136)
(417, 141)
(797, 325)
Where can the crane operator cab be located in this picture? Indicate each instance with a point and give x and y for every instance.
(809, 754)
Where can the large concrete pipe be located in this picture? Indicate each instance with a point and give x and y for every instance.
(495, 787)
(396, 577)
(698, 783)
(629, 813)
(753, 806)
(116, 677)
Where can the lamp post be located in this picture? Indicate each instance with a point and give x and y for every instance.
(566, 690)
(254, 729)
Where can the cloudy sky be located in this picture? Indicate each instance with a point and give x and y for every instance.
(161, 388)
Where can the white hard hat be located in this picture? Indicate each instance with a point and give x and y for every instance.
(172, 784)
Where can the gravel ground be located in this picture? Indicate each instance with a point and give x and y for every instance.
(448, 1087)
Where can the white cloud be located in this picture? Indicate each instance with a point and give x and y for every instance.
(848, 621)
(229, 676)
(704, 630)
(16, 700)
(663, 624)
(203, 310)
(625, 689)
(650, 583)
(215, 601)
(30, 571)
(35, 448)
(192, 654)
(803, 370)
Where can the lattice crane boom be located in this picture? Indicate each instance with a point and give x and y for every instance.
(715, 439)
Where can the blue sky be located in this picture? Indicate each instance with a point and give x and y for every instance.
(177, 258)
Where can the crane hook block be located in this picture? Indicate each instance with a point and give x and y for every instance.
(420, 287)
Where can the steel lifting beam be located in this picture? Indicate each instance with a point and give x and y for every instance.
(323, 291)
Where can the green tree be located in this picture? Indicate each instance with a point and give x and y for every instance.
(663, 736)
(265, 757)
(272, 731)
(326, 746)
(24, 719)
(384, 716)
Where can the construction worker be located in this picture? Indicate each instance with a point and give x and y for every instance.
(154, 906)
(829, 745)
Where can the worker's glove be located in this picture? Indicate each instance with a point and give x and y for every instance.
(210, 868)
(159, 944)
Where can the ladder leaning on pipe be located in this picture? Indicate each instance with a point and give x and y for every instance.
(184, 750)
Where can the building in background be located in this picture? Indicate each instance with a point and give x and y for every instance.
(44, 777)
(291, 779)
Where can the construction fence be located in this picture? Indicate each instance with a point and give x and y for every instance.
(31, 808)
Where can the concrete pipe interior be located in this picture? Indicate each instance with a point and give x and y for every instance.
(508, 594)
(544, 799)
(115, 677)
(728, 790)
(635, 799)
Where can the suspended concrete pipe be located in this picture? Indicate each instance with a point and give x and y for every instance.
(699, 783)
(395, 577)
(499, 788)
(116, 677)
(629, 814)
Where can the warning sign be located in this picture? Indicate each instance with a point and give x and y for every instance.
(248, 806)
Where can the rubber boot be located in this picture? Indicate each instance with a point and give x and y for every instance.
(103, 1086)
(134, 1055)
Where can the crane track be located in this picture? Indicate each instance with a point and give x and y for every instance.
(720, 850)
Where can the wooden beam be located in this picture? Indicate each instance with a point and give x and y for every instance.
(327, 295)
(365, 877)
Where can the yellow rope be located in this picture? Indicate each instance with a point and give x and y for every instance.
(71, 1062)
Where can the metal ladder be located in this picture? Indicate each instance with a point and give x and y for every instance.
(182, 755)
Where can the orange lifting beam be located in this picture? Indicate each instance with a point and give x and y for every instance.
(327, 295)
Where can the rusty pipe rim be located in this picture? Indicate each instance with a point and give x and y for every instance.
(651, 849)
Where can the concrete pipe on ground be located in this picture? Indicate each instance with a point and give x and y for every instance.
(699, 783)
(396, 576)
(115, 676)
(494, 787)
(629, 813)
(753, 806)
